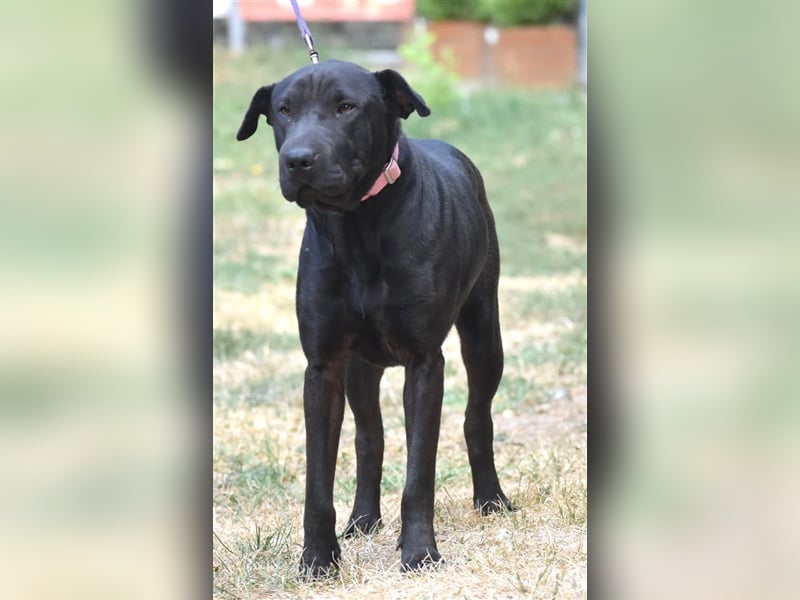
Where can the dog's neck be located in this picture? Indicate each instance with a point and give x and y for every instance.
(389, 174)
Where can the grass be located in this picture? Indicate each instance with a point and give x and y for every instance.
(531, 148)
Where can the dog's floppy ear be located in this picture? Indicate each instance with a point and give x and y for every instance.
(259, 105)
(397, 92)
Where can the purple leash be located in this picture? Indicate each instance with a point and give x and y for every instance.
(305, 33)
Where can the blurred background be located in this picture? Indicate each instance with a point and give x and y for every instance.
(490, 42)
(105, 264)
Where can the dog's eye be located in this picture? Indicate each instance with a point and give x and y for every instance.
(285, 111)
(344, 107)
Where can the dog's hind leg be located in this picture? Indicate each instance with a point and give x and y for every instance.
(478, 327)
(363, 390)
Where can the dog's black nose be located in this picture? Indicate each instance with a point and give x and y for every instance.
(297, 159)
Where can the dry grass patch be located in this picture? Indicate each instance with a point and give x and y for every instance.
(537, 552)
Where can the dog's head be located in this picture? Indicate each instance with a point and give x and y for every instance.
(335, 126)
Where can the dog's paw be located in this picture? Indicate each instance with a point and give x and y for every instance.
(319, 565)
(418, 557)
(362, 525)
(495, 504)
(421, 561)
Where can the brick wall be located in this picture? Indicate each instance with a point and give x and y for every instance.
(532, 57)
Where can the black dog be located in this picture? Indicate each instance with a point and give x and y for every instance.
(399, 244)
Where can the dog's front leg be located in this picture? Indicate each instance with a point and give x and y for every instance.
(323, 402)
(422, 401)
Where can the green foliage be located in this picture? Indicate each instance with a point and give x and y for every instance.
(434, 80)
(446, 10)
(514, 12)
(499, 12)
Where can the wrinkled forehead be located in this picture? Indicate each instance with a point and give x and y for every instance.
(328, 80)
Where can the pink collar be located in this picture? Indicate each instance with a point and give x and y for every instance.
(390, 173)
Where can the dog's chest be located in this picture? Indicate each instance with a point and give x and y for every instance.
(367, 295)
(375, 295)
(368, 266)
(379, 321)
(374, 290)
